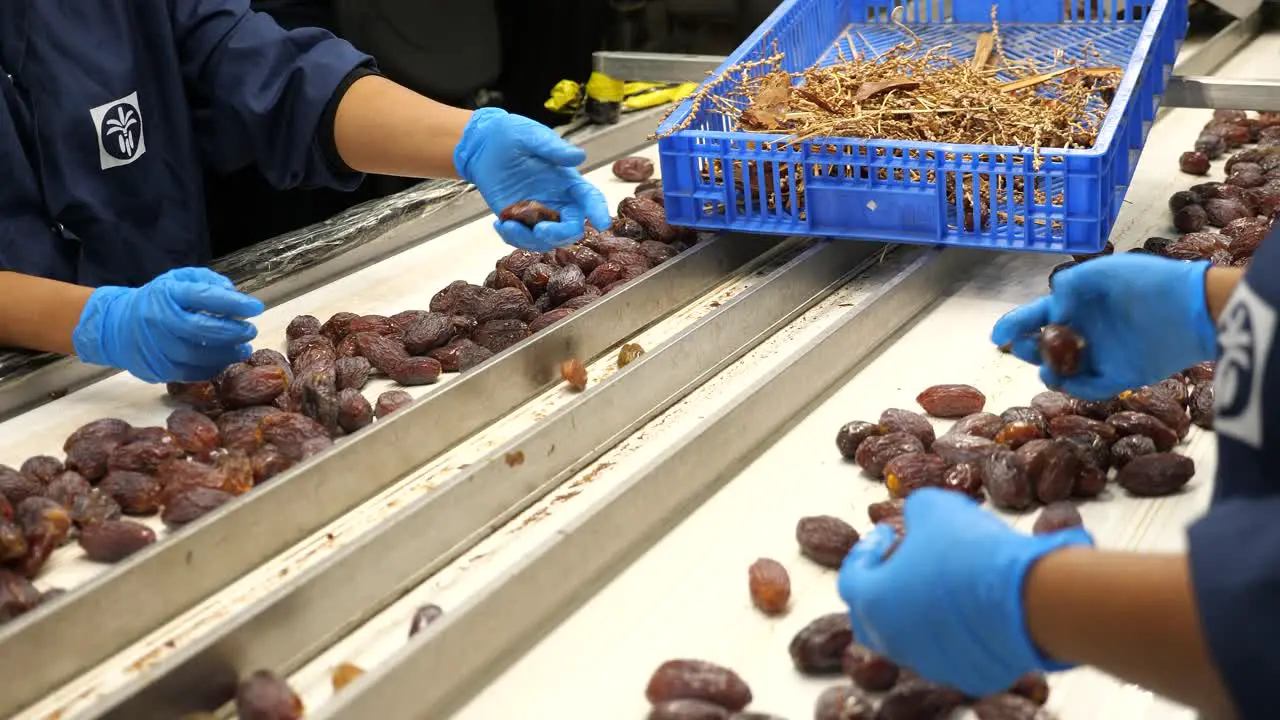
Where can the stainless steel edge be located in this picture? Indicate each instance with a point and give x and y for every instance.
(22, 392)
(171, 576)
(1237, 8)
(475, 642)
(277, 633)
(1217, 94)
(1215, 51)
(654, 67)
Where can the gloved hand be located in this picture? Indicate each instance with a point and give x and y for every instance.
(948, 602)
(182, 326)
(1143, 318)
(510, 158)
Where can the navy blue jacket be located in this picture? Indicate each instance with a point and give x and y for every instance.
(113, 108)
(1235, 547)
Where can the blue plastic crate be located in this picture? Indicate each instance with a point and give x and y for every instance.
(866, 188)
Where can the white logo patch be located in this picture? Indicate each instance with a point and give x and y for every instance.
(119, 128)
(1245, 332)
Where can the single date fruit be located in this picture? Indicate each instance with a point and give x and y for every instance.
(907, 473)
(818, 649)
(874, 453)
(917, 699)
(529, 213)
(1194, 162)
(951, 401)
(1061, 348)
(390, 401)
(633, 169)
(851, 435)
(574, 373)
(983, 424)
(1156, 474)
(1057, 516)
(899, 420)
(265, 696)
(1004, 475)
(870, 671)
(114, 540)
(825, 539)
(769, 585)
(1128, 422)
(698, 680)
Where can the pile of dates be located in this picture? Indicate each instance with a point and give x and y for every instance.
(260, 417)
(1054, 449)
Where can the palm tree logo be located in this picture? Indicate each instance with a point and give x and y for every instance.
(121, 125)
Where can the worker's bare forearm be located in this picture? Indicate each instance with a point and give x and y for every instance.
(39, 314)
(386, 129)
(1219, 283)
(1131, 615)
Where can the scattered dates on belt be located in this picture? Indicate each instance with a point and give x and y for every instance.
(260, 417)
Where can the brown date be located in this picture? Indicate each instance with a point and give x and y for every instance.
(351, 373)
(518, 261)
(194, 432)
(1057, 516)
(1158, 405)
(698, 680)
(1156, 474)
(267, 462)
(574, 374)
(202, 396)
(265, 696)
(1060, 349)
(1032, 686)
(1127, 422)
(983, 424)
(825, 539)
(13, 543)
(104, 429)
(424, 616)
(687, 709)
(957, 448)
(549, 318)
(335, 328)
(42, 468)
(6, 509)
(459, 355)
(1022, 413)
(879, 512)
(1129, 447)
(460, 298)
(291, 433)
(253, 386)
(851, 435)
(180, 474)
(429, 332)
(92, 507)
(417, 371)
(843, 702)
(652, 217)
(383, 353)
(624, 228)
(1194, 162)
(302, 325)
(1201, 372)
(952, 401)
(505, 304)
(529, 213)
(605, 274)
(870, 671)
(45, 525)
(1077, 424)
(1006, 706)
(241, 428)
(16, 487)
(321, 353)
(1202, 406)
(628, 354)
(115, 540)
(769, 586)
(1098, 409)
(390, 401)
(537, 277)
(965, 478)
(17, 595)
(1221, 212)
(1004, 475)
(565, 284)
(1051, 404)
(899, 420)
(907, 473)
(343, 675)
(136, 493)
(379, 324)
(1018, 433)
(633, 169)
(917, 699)
(191, 504)
(143, 456)
(1053, 471)
(818, 649)
(498, 335)
(656, 252)
(581, 256)
(876, 451)
(354, 411)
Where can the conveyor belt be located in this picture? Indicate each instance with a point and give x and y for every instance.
(522, 508)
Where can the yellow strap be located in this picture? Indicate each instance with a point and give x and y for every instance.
(660, 96)
(603, 88)
(564, 96)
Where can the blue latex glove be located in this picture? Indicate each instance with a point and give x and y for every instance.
(183, 326)
(510, 158)
(948, 602)
(1143, 318)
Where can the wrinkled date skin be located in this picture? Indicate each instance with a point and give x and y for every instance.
(1053, 472)
(1052, 404)
(253, 386)
(874, 453)
(202, 396)
(1018, 433)
(115, 540)
(192, 504)
(265, 696)
(1157, 474)
(870, 671)
(1060, 349)
(965, 478)
(1004, 475)
(825, 540)
(423, 617)
(1127, 448)
(351, 373)
(952, 401)
(16, 487)
(460, 355)
(42, 468)
(1127, 422)
(1057, 516)
(769, 585)
(918, 699)
(391, 401)
(354, 411)
(1032, 686)
(957, 448)
(698, 680)
(143, 456)
(843, 702)
(983, 424)
(687, 709)
(850, 436)
(1161, 406)
(879, 512)
(194, 432)
(45, 524)
(136, 493)
(899, 420)
(633, 169)
(17, 595)
(1202, 406)
(905, 474)
(529, 213)
(13, 544)
(818, 649)
(417, 371)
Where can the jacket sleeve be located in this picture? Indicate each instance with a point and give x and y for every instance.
(1235, 572)
(261, 94)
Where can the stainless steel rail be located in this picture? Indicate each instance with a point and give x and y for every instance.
(473, 643)
(26, 390)
(55, 643)
(439, 527)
